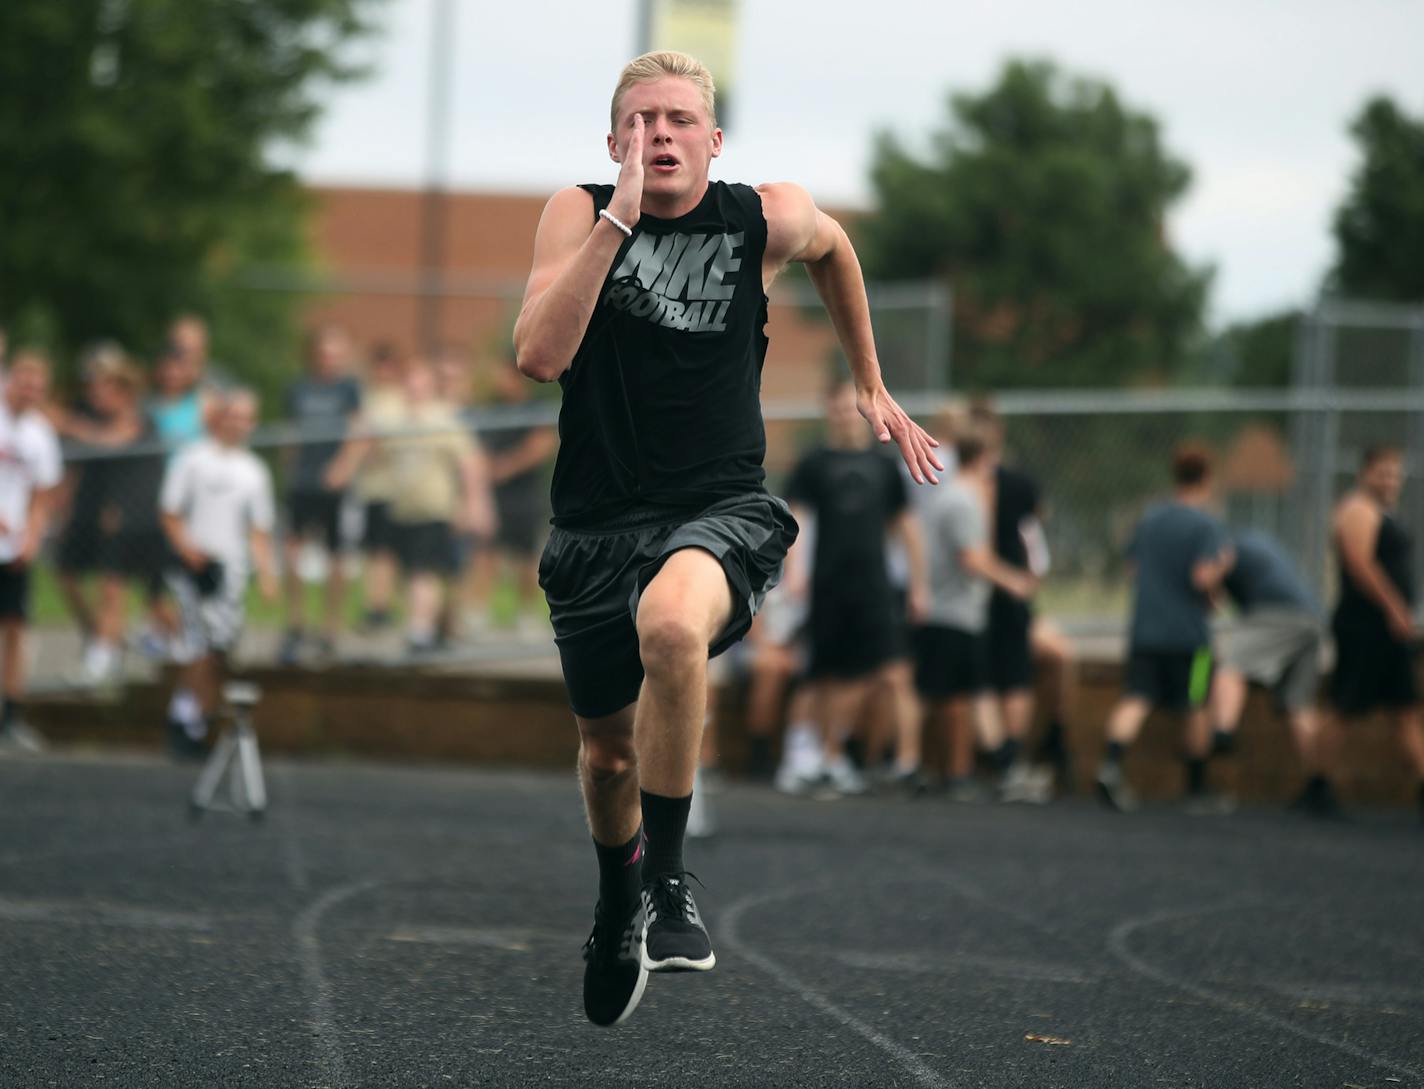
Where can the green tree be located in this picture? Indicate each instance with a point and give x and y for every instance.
(1380, 228)
(1043, 201)
(136, 136)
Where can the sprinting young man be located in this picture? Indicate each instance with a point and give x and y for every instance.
(1180, 553)
(216, 508)
(646, 302)
(30, 470)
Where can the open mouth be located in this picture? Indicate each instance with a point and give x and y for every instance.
(664, 162)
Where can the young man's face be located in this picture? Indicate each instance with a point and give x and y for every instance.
(679, 142)
(328, 357)
(1385, 479)
(236, 420)
(26, 386)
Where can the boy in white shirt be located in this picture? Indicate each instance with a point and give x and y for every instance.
(217, 512)
(30, 468)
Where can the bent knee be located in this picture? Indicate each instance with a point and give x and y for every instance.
(668, 642)
(607, 758)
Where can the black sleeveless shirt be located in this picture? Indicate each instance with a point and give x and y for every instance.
(1392, 552)
(661, 410)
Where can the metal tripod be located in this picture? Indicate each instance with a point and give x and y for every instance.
(236, 758)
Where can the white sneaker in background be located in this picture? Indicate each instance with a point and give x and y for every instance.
(700, 822)
(845, 778)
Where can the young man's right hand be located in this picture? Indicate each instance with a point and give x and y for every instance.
(1402, 626)
(627, 201)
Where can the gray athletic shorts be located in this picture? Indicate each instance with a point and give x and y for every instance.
(1278, 649)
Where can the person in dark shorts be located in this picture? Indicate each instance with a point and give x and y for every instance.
(1374, 629)
(320, 406)
(1180, 554)
(855, 494)
(30, 470)
(952, 668)
(647, 303)
(1018, 541)
(519, 455)
(382, 413)
(1275, 642)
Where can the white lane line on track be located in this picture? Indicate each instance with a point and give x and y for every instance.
(1117, 944)
(509, 939)
(729, 937)
(304, 930)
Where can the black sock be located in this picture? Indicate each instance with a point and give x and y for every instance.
(854, 749)
(10, 711)
(1006, 754)
(664, 824)
(1196, 775)
(1051, 745)
(1113, 751)
(620, 874)
(1223, 743)
(759, 765)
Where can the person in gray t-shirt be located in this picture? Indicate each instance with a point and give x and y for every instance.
(1274, 642)
(951, 666)
(1180, 554)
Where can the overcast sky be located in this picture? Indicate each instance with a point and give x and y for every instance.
(1255, 94)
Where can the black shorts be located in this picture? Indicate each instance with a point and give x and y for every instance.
(523, 515)
(1174, 680)
(1373, 671)
(14, 592)
(424, 548)
(902, 643)
(851, 632)
(77, 551)
(136, 554)
(592, 580)
(1010, 646)
(316, 512)
(379, 533)
(950, 662)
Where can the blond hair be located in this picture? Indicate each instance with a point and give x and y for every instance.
(658, 65)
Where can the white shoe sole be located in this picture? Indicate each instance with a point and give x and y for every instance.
(637, 996)
(679, 964)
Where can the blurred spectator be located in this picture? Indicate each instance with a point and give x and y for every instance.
(1276, 643)
(436, 484)
(1180, 554)
(382, 413)
(1376, 636)
(77, 552)
(1016, 531)
(455, 387)
(856, 496)
(320, 406)
(217, 513)
(952, 670)
(518, 457)
(178, 404)
(119, 478)
(30, 470)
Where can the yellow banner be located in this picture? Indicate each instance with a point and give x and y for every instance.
(705, 28)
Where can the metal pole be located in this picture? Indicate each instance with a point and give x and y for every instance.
(434, 207)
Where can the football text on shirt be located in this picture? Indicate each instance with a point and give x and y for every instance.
(678, 281)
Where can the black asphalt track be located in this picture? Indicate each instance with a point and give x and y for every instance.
(421, 927)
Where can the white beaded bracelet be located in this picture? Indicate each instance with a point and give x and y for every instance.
(604, 213)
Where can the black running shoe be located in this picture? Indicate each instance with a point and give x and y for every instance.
(614, 973)
(677, 941)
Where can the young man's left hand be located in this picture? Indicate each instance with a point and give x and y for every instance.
(890, 423)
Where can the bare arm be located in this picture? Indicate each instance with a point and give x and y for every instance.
(1207, 575)
(260, 542)
(797, 565)
(907, 528)
(572, 252)
(799, 231)
(479, 514)
(537, 448)
(36, 523)
(981, 561)
(1357, 528)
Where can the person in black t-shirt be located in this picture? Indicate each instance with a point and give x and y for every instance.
(646, 302)
(857, 497)
(1376, 634)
